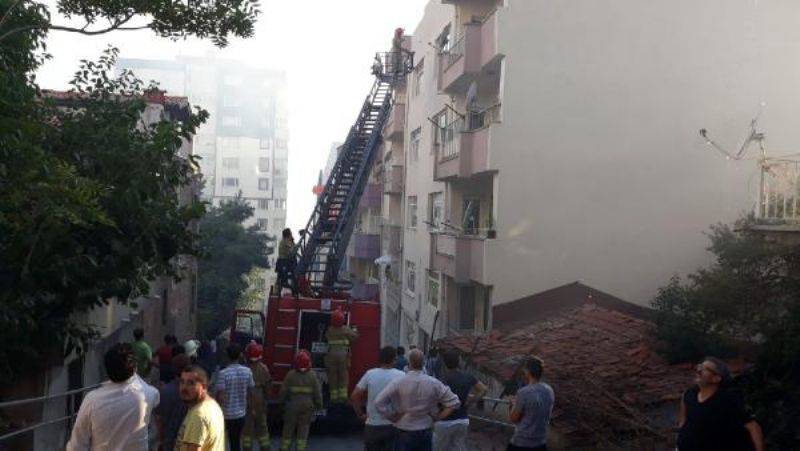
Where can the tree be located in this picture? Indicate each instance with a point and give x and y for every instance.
(255, 292)
(88, 206)
(748, 299)
(231, 251)
(215, 20)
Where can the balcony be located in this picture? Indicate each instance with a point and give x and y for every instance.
(395, 124)
(393, 180)
(460, 257)
(469, 54)
(366, 246)
(778, 207)
(467, 152)
(372, 196)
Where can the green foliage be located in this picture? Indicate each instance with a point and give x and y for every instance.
(255, 293)
(749, 299)
(89, 210)
(89, 207)
(215, 20)
(231, 251)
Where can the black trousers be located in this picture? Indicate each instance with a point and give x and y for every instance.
(379, 438)
(526, 448)
(233, 429)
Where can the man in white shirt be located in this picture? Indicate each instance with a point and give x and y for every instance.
(412, 403)
(116, 415)
(379, 432)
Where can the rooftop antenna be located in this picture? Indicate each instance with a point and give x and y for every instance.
(754, 137)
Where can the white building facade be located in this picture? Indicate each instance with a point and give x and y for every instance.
(545, 143)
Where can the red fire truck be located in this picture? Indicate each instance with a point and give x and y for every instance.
(290, 322)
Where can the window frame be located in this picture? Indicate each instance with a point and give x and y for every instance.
(413, 212)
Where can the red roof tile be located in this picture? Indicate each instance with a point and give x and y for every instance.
(599, 361)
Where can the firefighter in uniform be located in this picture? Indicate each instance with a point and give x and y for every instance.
(337, 360)
(255, 424)
(301, 396)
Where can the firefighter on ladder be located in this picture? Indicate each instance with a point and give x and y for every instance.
(337, 360)
(255, 425)
(302, 396)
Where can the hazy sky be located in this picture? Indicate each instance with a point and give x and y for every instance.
(326, 48)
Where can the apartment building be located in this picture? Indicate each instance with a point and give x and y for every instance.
(244, 144)
(547, 143)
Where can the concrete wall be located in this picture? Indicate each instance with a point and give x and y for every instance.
(602, 175)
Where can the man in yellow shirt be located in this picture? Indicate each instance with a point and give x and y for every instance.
(203, 429)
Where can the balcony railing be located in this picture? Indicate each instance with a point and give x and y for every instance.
(456, 51)
(779, 198)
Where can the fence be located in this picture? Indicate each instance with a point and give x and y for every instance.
(71, 414)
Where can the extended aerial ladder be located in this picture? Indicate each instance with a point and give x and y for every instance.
(322, 247)
(291, 322)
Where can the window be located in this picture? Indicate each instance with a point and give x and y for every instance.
(230, 163)
(412, 211)
(411, 276)
(280, 143)
(231, 121)
(265, 143)
(418, 72)
(263, 184)
(413, 146)
(262, 223)
(471, 216)
(436, 209)
(280, 204)
(230, 181)
(466, 314)
(443, 42)
(433, 289)
(263, 165)
(263, 204)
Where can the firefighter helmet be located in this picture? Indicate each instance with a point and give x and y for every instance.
(253, 351)
(302, 361)
(337, 318)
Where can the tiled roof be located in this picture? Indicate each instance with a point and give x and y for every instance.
(152, 97)
(600, 363)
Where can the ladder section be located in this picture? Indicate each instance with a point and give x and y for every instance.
(323, 247)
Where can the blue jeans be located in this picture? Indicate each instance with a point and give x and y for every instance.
(414, 440)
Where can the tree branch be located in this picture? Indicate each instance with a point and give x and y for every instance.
(116, 26)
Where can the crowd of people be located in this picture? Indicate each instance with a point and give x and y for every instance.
(408, 403)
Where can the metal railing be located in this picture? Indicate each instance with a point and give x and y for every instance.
(483, 118)
(779, 197)
(456, 51)
(449, 138)
(20, 402)
(490, 420)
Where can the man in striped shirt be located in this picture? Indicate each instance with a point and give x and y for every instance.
(233, 387)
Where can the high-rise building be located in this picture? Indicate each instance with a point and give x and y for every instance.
(244, 144)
